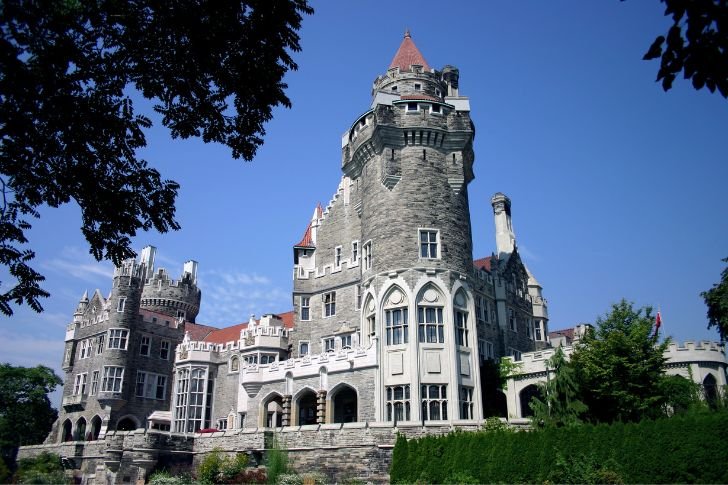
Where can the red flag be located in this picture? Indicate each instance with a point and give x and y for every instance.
(658, 322)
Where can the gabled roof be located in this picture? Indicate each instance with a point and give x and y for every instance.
(483, 263)
(232, 333)
(408, 54)
(568, 333)
(197, 331)
(307, 240)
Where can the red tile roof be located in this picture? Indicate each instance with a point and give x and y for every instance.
(198, 331)
(567, 332)
(307, 240)
(231, 334)
(408, 54)
(482, 263)
(420, 97)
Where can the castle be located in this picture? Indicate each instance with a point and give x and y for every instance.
(392, 317)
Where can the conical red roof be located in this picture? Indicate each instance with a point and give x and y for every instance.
(408, 54)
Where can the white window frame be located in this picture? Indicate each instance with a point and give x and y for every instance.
(396, 326)
(164, 346)
(461, 327)
(397, 404)
(329, 306)
(337, 257)
(151, 385)
(121, 304)
(148, 344)
(94, 383)
(101, 339)
(79, 386)
(465, 402)
(115, 341)
(438, 402)
(516, 354)
(354, 252)
(366, 255)
(305, 304)
(301, 343)
(409, 108)
(432, 109)
(111, 378)
(428, 245)
(328, 344)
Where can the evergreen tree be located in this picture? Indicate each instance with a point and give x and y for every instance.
(716, 299)
(620, 367)
(560, 406)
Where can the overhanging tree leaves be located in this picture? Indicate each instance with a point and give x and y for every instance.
(619, 366)
(26, 414)
(696, 45)
(716, 299)
(69, 128)
(560, 405)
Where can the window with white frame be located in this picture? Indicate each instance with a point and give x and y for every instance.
(337, 257)
(431, 327)
(113, 379)
(164, 349)
(329, 344)
(511, 319)
(479, 308)
(234, 363)
(434, 401)
(267, 358)
(486, 312)
(354, 252)
(94, 382)
(305, 308)
(118, 338)
(429, 241)
(396, 326)
(461, 327)
(529, 328)
(85, 351)
(346, 341)
(516, 354)
(418, 86)
(357, 296)
(121, 304)
(180, 400)
(538, 329)
(398, 403)
(366, 255)
(329, 300)
(100, 344)
(303, 348)
(150, 385)
(145, 345)
(371, 326)
(435, 108)
(466, 402)
(79, 386)
(222, 423)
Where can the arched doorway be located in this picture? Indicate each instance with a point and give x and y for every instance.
(67, 431)
(306, 405)
(126, 424)
(95, 427)
(345, 405)
(710, 390)
(526, 395)
(273, 412)
(80, 433)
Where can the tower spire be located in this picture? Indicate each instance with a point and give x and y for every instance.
(408, 54)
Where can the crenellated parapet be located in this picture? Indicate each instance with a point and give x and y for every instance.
(694, 352)
(175, 297)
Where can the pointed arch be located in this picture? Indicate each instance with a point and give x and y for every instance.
(431, 305)
(306, 406)
(395, 309)
(127, 423)
(526, 396)
(79, 431)
(95, 427)
(271, 406)
(344, 400)
(710, 390)
(369, 318)
(67, 431)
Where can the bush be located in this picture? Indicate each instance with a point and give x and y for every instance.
(276, 462)
(45, 468)
(163, 477)
(289, 479)
(209, 469)
(216, 468)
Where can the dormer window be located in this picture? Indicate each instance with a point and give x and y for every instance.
(418, 86)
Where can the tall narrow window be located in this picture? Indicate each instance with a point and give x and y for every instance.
(354, 252)
(357, 289)
(396, 326)
(305, 308)
(367, 255)
(512, 319)
(100, 341)
(79, 387)
(180, 405)
(398, 403)
(431, 329)
(329, 304)
(538, 329)
(329, 344)
(461, 327)
(337, 257)
(164, 350)
(121, 305)
(94, 382)
(161, 390)
(429, 244)
(466, 402)
(302, 348)
(196, 400)
(145, 345)
(434, 402)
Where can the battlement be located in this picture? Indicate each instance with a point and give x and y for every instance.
(703, 351)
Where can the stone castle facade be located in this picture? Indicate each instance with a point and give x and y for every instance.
(392, 317)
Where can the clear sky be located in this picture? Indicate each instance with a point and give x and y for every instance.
(618, 189)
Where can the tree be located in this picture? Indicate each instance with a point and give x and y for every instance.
(69, 131)
(560, 406)
(716, 299)
(26, 414)
(619, 366)
(696, 44)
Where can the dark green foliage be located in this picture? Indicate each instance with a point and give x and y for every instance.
(619, 366)
(696, 44)
(681, 394)
(26, 414)
(560, 406)
(276, 462)
(716, 299)
(689, 448)
(216, 468)
(69, 131)
(45, 468)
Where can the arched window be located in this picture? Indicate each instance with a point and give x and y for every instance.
(95, 427)
(370, 320)
(710, 389)
(395, 317)
(344, 403)
(80, 432)
(67, 431)
(430, 323)
(461, 318)
(273, 411)
(306, 404)
(234, 363)
(526, 396)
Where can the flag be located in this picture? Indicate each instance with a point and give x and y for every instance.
(658, 322)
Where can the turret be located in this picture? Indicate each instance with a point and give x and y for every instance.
(504, 237)
(176, 298)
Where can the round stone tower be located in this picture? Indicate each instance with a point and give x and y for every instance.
(162, 294)
(412, 156)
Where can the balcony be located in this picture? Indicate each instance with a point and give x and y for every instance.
(77, 400)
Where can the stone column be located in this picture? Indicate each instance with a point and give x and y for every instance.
(321, 407)
(286, 405)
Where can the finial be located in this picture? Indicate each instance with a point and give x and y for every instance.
(407, 33)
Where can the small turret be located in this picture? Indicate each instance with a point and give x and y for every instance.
(81, 308)
(176, 298)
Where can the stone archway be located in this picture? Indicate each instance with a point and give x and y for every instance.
(710, 390)
(306, 405)
(526, 395)
(126, 424)
(95, 428)
(79, 433)
(272, 416)
(67, 431)
(345, 405)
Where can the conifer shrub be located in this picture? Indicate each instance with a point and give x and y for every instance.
(689, 448)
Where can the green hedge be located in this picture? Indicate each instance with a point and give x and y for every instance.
(684, 449)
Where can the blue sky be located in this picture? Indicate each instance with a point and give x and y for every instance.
(618, 188)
